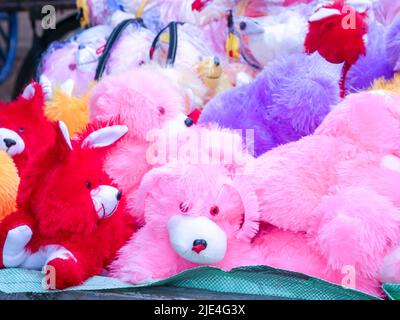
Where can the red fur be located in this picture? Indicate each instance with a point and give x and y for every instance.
(28, 114)
(54, 200)
(336, 43)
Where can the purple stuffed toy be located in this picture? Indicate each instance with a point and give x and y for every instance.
(382, 59)
(287, 101)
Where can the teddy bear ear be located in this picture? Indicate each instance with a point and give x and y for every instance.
(251, 221)
(29, 91)
(46, 86)
(65, 134)
(148, 182)
(323, 13)
(104, 137)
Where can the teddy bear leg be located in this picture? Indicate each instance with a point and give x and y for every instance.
(390, 271)
(63, 270)
(15, 233)
(355, 228)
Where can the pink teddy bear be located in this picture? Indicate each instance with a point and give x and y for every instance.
(143, 101)
(208, 214)
(341, 186)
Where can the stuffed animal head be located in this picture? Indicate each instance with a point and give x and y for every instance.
(201, 206)
(66, 187)
(9, 181)
(265, 39)
(23, 127)
(210, 71)
(336, 31)
(141, 99)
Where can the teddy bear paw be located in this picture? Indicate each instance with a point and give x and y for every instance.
(390, 271)
(63, 273)
(14, 253)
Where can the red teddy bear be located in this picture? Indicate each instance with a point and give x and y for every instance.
(69, 220)
(24, 129)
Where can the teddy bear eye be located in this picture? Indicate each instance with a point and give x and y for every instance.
(88, 184)
(21, 130)
(183, 207)
(161, 110)
(214, 211)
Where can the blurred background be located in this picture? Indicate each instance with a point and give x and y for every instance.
(22, 38)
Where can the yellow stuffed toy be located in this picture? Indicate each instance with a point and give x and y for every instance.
(9, 181)
(62, 105)
(392, 85)
(211, 73)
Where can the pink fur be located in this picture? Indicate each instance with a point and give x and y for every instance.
(350, 227)
(143, 101)
(340, 185)
(149, 255)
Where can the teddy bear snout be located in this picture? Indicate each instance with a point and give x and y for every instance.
(197, 238)
(11, 142)
(105, 200)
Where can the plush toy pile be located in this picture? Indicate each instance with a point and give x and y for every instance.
(165, 135)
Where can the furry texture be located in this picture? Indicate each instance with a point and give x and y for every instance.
(392, 85)
(375, 64)
(61, 212)
(340, 185)
(382, 58)
(279, 106)
(25, 117)
(393, 43)
(385, 11)
(185, 81)
(190, 191)
(9, 181)
(143, 101)
(334, 41)
(74, 111)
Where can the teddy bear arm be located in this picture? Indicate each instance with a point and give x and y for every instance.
(15, 233)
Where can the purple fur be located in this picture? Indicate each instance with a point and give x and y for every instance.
(287, 101)
(393, 44)
(374, 65)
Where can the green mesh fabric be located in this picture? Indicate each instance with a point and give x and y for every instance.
(392, 291)
(256, 280)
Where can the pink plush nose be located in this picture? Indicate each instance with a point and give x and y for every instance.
(199, 245)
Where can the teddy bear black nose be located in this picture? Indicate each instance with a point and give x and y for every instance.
(9, 142)
(242, 25)
(189, 122)
(119, 195)
(199, 245)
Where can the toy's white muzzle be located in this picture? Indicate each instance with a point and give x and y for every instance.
(105, 200)
(11, 142)
(197, 239)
